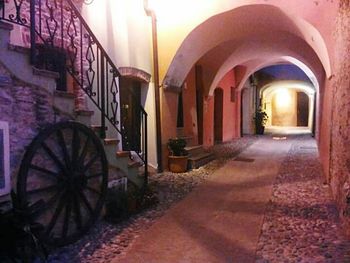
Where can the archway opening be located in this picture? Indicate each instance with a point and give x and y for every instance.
(286, 94)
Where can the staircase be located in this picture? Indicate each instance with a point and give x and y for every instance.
(87, 69)
(198, 156)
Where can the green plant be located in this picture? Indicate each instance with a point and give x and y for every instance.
(177, 146)
(260, 117)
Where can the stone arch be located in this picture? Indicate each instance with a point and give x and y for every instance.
(135, 73)
(205, 39)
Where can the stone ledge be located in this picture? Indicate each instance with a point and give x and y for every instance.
(45, 73)
(19, 49)
(64, 94)
(7, 26)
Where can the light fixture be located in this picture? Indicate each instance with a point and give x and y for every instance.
(87, 2)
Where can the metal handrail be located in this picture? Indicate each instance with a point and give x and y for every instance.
(58, 25)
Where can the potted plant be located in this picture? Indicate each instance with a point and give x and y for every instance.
(178, 155)
(260, 120)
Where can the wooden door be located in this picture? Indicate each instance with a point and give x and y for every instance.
(302, 109)
(130, 101)
(199, 102)
(218, 114)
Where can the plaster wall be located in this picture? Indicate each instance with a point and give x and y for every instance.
(124, 30)
(190, 107)
(338, 110)
(248, 109)
(230, 112)
(285, 114)
(119, 26)
(230, 129)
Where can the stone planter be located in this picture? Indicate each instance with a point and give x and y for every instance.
(178, 164)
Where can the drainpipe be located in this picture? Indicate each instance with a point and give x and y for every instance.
(152, 14)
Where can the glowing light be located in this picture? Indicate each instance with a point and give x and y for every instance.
(169, 11)
(283, 98)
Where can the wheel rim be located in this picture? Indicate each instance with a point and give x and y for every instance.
(65, 173)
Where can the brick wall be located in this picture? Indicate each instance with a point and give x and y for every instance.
(26, 108)
(340, 127)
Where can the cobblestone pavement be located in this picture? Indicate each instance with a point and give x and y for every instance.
(105, 241)
(301, 223)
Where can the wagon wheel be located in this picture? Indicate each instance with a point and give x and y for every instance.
(65, 173)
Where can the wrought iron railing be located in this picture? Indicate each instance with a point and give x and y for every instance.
(57, 26)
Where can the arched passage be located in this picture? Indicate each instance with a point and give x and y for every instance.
(289, 104)
(265, 35)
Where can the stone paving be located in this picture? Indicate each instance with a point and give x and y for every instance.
(301, 223)
(106, 241)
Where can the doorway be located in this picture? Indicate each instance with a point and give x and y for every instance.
(218, 114)
(302, 109)
(130, 101)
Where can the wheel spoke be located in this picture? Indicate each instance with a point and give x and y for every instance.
(63, 146)
(86, 202)
(43, 170)
(84, 152)
(91, 162)
(53, 199)
(41, 190)
(77, 212)
(95, 175)
(57, 213)
(54, 158)
(75, 146)
(93, 190)
(66, 218)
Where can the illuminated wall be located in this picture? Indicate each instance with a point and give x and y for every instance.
(284, 108)
(124, 30)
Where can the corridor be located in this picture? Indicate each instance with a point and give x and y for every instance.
(268, 204)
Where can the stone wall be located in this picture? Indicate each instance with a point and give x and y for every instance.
(340, 131)
(27, 109)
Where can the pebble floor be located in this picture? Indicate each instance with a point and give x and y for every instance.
(300, 224)
(106, 241)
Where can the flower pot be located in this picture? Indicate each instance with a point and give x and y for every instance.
(260, 129)
(178, 164)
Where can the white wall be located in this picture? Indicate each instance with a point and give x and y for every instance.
(124, 30)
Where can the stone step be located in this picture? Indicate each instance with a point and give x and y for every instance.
(84, 116)
(200, 160)
(193, 150)
(122, 154)
(97, 128)
(134, 164)
(109, 141)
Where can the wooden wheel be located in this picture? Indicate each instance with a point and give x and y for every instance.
(65, 172)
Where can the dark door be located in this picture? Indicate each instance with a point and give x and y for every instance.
(130, 100)
(218, 114)
(199, 102)
(302, 109)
